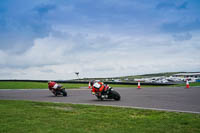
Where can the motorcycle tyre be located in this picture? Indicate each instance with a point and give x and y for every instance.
(64, 92)
(116, 95)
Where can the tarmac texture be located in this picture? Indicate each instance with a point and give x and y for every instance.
(178, 99)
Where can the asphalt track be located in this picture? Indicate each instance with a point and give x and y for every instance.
(177, 99)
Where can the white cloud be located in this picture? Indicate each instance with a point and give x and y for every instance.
(99, 54)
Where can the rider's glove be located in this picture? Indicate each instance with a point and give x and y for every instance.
(93, 93)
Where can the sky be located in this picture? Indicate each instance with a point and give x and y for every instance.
(53, 39)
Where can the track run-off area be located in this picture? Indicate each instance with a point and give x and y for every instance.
(178, 99)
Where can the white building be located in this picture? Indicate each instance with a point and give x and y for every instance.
(187, 75)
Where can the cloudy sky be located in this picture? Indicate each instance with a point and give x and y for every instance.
(52, 39)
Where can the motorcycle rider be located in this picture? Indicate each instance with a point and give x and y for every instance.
(53, 86)
(100, 87)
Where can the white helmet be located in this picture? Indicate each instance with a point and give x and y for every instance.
(97, 85)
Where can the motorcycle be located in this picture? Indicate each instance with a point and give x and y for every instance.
(59, 91)
(108, 93)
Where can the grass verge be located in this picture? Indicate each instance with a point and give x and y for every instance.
(42, 85)
(34, 85)
(191, 84)
(42, 117)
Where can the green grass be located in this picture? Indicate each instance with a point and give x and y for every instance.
(42, 85)
(34, 85)
(191, 84)
(40, 117)
(144, 86)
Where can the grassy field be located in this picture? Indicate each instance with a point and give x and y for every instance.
(34, 85)
(42, 85)
(40, 117)
(191, 84)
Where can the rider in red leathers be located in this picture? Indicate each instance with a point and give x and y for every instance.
(99, 87)
(53, 86)
(103, 91)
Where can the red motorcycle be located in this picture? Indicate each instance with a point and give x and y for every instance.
(59, 91)
(108, 93)
(56, 89)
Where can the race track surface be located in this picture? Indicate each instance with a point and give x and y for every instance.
(159, 98)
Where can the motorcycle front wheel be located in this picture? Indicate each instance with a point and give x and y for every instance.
(64, 92)
(116, 95)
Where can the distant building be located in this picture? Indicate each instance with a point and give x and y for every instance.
(126, 79)
(187, 75)
(117, 80)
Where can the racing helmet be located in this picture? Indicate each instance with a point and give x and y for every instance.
(97, 85)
